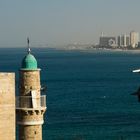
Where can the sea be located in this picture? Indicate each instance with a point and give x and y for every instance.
(88, 92)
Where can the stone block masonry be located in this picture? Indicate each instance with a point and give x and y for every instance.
(7, 106)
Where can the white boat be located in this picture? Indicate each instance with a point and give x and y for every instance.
(136, 71)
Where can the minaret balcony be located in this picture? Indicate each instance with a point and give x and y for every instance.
(31, 103)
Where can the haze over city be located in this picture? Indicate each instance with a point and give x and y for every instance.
(61, 22)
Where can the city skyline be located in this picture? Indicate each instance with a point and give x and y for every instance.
(130, 40)
(65, 21)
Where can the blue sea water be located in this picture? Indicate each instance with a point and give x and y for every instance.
(88, 93)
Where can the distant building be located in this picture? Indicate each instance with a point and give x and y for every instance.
(119, 41)
(134, 39)
(127, 41)
(123, 41)
(107, 41)
(138, 44)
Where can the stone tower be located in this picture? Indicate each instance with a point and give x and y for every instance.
(30, 104)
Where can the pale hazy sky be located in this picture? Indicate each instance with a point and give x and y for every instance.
(65, 21)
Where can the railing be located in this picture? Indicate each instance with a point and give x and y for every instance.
(30, 102)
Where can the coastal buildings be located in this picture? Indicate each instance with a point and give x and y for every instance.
(107, 41)
(134, 39)
(130, 41)
(123, 40)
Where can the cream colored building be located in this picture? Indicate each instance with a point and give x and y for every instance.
(134, 39)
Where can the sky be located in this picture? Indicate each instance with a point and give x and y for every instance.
(62, 22)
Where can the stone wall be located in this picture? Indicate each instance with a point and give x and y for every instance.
(30, 118)
(29, 80)
(33, 132)
(7, 106)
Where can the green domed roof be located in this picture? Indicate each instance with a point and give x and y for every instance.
(29, 62)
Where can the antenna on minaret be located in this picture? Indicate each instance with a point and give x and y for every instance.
(28, 42)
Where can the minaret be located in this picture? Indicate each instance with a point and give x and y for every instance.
(30, 104)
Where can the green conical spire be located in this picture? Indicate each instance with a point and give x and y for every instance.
(29, 62)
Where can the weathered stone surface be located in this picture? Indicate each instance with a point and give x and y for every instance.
(7, 106)
(30, 132)
(30, 119)
(29, 80)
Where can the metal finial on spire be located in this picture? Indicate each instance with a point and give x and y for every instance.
(28, 42)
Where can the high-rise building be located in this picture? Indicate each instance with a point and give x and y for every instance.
(119, 41)
(127, 41)
(107, 41)
(31, 105)
(134, 39)
(123, 41)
